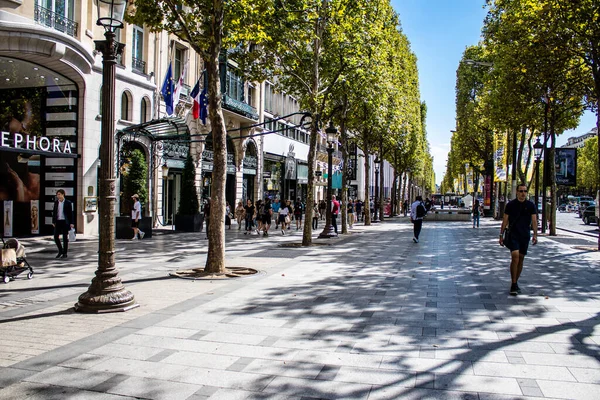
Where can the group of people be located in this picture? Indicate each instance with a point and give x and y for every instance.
(259, 216)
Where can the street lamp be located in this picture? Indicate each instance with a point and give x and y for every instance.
(331, 131)
(106, 292)
(377, 161)
(537, 152)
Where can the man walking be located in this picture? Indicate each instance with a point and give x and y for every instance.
(417, 213)
(62, 220)
(335, 210)
(519, 216)
(136, 216)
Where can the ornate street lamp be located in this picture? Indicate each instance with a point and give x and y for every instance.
(537, 153)
(106, 292)
(331, 132)
(377, 161)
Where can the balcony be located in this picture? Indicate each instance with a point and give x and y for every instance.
(231, 104)
(46, 17)
(137, 65)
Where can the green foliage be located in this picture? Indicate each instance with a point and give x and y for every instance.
(588, 176)
(188, 202)
(135, 179)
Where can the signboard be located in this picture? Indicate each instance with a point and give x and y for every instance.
(499, 158)
(566, 166)
(34, 208)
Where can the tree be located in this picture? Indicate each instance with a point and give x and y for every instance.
(588, 176)
(210, 27)
(135, 178)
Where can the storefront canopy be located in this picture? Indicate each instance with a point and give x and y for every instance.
(171, 128)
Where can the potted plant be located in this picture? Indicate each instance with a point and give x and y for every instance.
(135, 181)
(188, 217)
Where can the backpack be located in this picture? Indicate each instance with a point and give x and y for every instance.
(421, 211)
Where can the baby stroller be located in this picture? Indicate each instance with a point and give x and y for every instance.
(13, 260)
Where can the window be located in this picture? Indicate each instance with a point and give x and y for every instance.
(145, 110)
(137, 62)
(57, 14)
(180, 57)
(125, 106)
(251, 94)
(234, 86)
(269, 97)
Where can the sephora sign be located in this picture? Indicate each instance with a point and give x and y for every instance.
(32, 143)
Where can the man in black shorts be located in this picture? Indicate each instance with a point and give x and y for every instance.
(267, 212)
(519, 216)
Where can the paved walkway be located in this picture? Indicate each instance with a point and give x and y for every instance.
(371, 316)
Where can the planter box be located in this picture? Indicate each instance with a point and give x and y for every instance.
(123, 228)
(189, 223)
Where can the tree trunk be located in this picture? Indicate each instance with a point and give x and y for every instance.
(215, 259)
(404, 178)
(344, 175)
(552, 230)
(381, 189)
(367, 201)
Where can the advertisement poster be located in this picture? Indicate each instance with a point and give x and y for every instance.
(566, 166)
(35, 219)
(487, 197)
(499, 158)
(8, 218)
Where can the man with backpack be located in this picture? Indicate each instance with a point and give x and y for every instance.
(417, 213)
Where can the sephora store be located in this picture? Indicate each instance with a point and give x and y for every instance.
(38, 145)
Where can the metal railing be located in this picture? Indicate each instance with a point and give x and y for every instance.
(240, 107)
(138, 65)
(46, 17)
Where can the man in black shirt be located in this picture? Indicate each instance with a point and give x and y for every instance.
(519, 216)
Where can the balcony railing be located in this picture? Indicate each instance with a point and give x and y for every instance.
(46, 17)
(231, 104)
(138, 65)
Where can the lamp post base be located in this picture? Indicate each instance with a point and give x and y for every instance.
(328, 232)
(111, 299)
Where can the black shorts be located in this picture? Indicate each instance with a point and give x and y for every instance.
(281, 219)
(298, 217)
(518, 243)
(134, 223)
(266, 219)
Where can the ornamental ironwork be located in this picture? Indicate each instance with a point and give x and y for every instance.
(49, 18)
(209, 155)
(250, 162)
(138, 65)
(231, 104)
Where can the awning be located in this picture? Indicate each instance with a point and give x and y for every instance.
(170, 128)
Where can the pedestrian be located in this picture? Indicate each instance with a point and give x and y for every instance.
(322, 209)
(350, 213)
(476, 213)
(519, 217)
(62, 220)
(284, 215)
(227, 215)
(240, 213)
(249, 215)
(417, 213)
(298, 210)
(315, 217)
(267, 213)
(335, 210)
(405, 207)
(258, 216)
(136, 216)
(276, 205)
(359, 210)
(207, 216)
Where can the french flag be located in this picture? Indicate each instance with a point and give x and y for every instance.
(195, 94)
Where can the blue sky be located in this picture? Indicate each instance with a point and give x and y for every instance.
(439, 31)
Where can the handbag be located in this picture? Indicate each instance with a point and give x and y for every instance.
(287, 219)
(8, 257)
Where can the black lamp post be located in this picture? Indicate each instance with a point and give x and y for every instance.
(377, 161)
(537, 152)
(106, 292)
(331, 131)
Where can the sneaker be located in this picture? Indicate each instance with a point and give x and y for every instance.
(514, 289)
(64, 255)
(142, 234)
(257, 232)
(135, 238)
(518, 288)
(58, 255)
(415, 240)
(283, 232)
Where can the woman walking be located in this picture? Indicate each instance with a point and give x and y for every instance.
(351, 213)
(240, 214)
(249, 213)
(228, 215)
(298, 210)
(476, 213)
(284, 216)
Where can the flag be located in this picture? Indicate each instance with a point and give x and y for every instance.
(195, 95)
(203, 106)
(179, 86)
(167, 91)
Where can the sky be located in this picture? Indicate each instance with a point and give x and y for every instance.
(439, 31)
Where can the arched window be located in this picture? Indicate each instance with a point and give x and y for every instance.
(126, 106)
(145, 110)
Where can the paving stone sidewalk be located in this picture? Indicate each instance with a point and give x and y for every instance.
(370, 316)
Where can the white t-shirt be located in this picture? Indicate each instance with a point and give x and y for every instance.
(137, 210)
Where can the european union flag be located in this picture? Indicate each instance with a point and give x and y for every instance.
(168, 88)
(203, 105)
